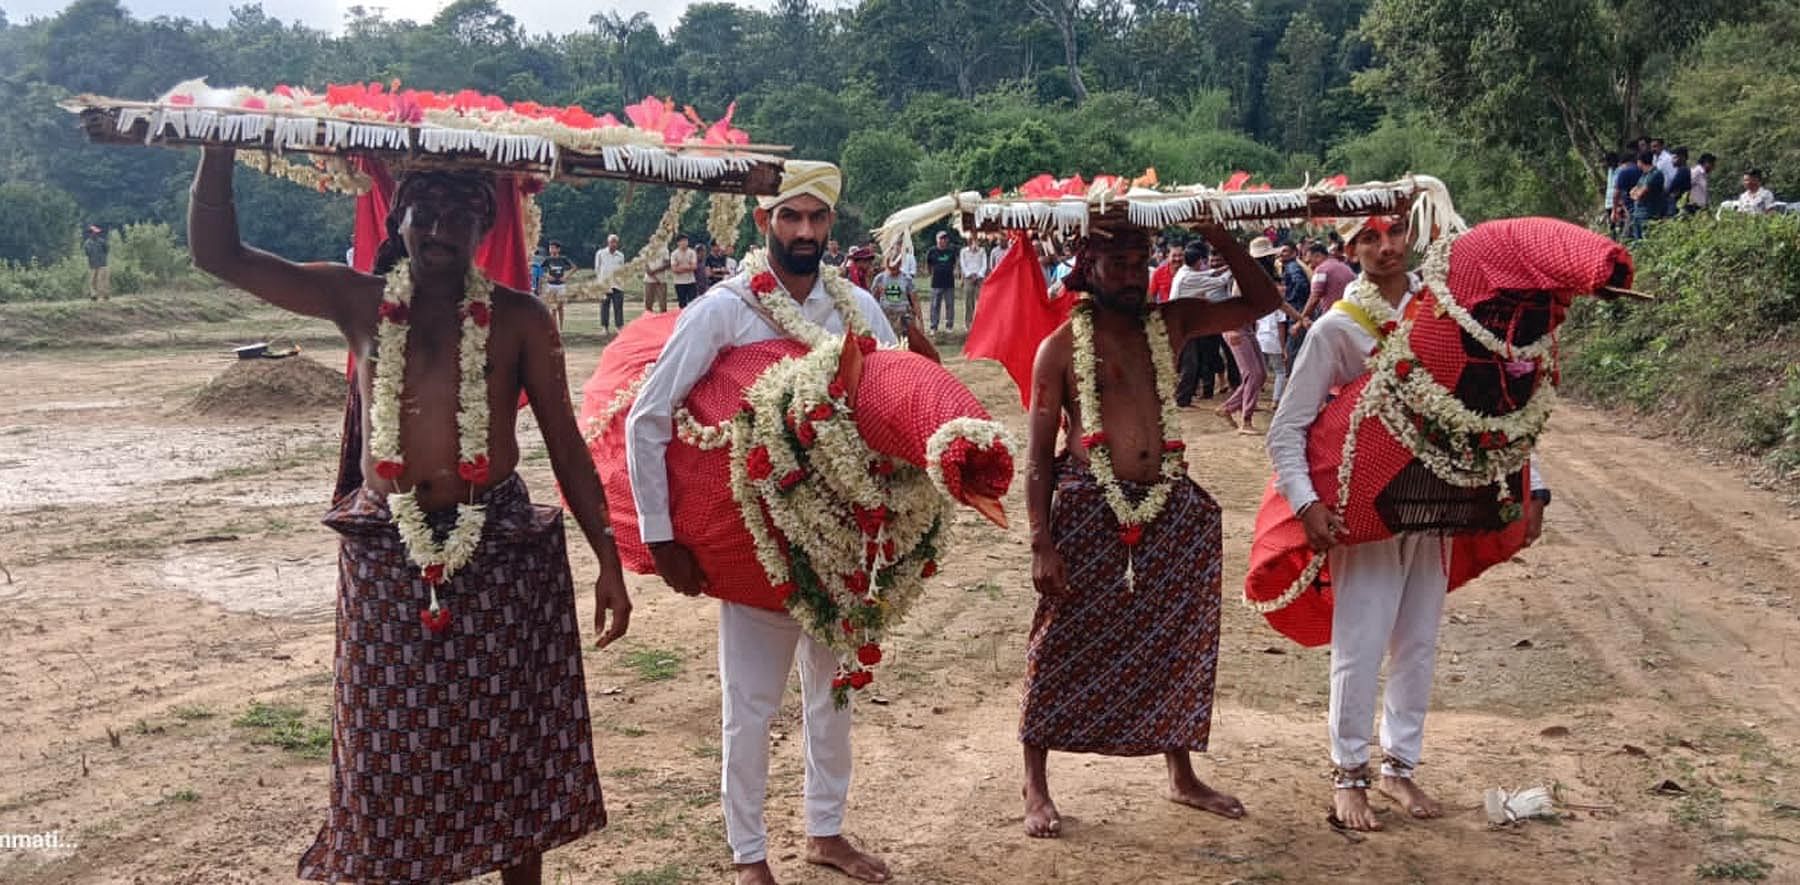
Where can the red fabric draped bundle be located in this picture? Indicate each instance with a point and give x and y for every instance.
(901, 400)
(1549, 263)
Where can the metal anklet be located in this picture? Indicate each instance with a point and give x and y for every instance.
(1394, 766)
(1357, 778)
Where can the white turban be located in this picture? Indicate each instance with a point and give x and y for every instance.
(806, 177)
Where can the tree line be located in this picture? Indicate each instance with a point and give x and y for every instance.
(1511, 101)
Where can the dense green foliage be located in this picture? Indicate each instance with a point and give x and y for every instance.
(1715, 352)
(40, 222)
(1507, 100)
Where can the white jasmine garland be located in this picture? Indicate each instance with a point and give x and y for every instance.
(437, 562)
(701, 436)
(1146, 512)
(724, 216)
(618, 405)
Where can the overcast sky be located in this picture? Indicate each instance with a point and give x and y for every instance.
(537, 16)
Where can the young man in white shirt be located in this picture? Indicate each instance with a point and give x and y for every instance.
(684, 262)
(757, 647)
(971, 269)
(607, 262)
(1389, 593)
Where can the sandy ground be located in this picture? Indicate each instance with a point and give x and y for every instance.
(167, 575)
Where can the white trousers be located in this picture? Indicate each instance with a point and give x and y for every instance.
(756, 652)
(1389, 598)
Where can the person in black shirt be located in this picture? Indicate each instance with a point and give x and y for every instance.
(556, 275)
(941, 260)
(718, 265)
(1680, 182)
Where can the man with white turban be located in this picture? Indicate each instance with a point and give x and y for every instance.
(757, 647)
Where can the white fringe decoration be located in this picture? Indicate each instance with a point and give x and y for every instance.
(1431, 208)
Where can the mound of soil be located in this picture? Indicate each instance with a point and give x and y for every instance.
(271, 387)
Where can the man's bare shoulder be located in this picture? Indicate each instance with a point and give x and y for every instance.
(1057, 347)
(514, 309)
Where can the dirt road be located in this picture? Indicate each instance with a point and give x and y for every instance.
(166, 626)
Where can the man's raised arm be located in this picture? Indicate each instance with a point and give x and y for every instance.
(326, 291)
(1189, 318)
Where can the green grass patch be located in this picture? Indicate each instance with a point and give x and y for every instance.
(630, 731)
(287, 729)
(1712, 357)
(1733, 870)
(628, 772)
(185, 795)
(192, 713)
(655, 664)
(1698, 808)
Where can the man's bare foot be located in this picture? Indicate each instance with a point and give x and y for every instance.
(1408, 794)
(837, 852)
(755, 874)
(1350, 807)
(1191, 792)
(1041, 819)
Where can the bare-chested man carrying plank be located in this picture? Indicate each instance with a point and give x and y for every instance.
(460, 734)
(1125, 548)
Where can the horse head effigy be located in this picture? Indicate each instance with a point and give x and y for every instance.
(1438, 435)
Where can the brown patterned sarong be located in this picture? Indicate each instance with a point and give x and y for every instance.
(467, 751)
(1118, 669)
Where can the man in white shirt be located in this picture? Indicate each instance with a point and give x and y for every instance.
(1699, 197)
(1665, 159)
(1389, 593)
(971, 269)
(607, 262)
(1201, 358)
(684, 262)
(757, 646)
(1756, 199)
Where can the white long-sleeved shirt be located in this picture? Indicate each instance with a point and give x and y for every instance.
(606, 262)
(716, 321)
(1335, 353)
(973, 262)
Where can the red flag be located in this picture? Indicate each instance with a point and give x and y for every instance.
(1015, 314)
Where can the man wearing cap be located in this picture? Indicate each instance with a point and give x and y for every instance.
(757, 647)
(1389, 593)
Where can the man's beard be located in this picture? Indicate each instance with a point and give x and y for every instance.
(804, 265)
(1127, 301)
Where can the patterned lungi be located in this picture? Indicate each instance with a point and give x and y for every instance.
(467, 751)
(1118, 669)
